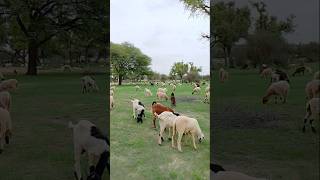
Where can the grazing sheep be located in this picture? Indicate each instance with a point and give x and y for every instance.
(279, 88)
(266, 72)
(66, 68)
(5, 100)
(223, 75)
(164, 90)
(5, 128)
(207, 97)
(313, 111)
(196, 90)
(316, 75)
(263, 67)
(207, 89)
(173, 99)
(138, 110)
(279, 75)
(162, 95)
(166, 120)
(8, 85)
(111, 102)
(312, 89)
(137, 88)
(186, 125)
(158, 109)
(299, 70)
(219, 173)
(173, 87)
(88, 138)
(274, 77)
(88, 83)
(147, 92)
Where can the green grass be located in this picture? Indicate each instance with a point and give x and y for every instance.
(42, 146)
(135, 153)
(273, 147)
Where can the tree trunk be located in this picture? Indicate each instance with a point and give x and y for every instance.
(231, 60)
(33, 58)
(226, 64)
(120, 80)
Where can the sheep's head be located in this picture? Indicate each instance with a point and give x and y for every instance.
(201, 137)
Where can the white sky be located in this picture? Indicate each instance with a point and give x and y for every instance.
(163, 30)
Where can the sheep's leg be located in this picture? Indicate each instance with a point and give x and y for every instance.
(304, 125)
(77, 167)
(194, 142)
(179, 141)
(169, 137)
(312, 127)
(154, 121)
(160, 135)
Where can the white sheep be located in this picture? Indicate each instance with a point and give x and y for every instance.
(266, 72)
(147, 92)
(8, 85)
(137, 110)
(223, 75)
(88, 83)
(5, 128)
(207, 89)
(162, 95)
(111, 92)
(164, 90)
(312, 89)
(316, 75)
(166, 120)
(88, 138)
(312, 113)
(137, 88)
(113, 88)
(196, 90)
(111, 102)
(279, 88)
(186, 125)
(5, 100)
(207, 97)
(173, 87)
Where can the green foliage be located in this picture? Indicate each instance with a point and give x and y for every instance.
(179, 69)
(198, 6)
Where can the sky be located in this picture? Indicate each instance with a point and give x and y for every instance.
(307, 17)
(162, 29)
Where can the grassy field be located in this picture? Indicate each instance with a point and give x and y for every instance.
(263, 140)
(135, 153)
(42, 146)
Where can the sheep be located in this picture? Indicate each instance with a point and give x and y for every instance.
(186, 125)
(279, 75)
(316, 75)
(137, 88)
(219, 173)
(113, 88)
(173, 87)
(163, 84)
(88, 83)
(5, 100)
(5, 128)
(274, 77)
(158, 109)
(173, 99)
(8, 85)
(111, 102)
(164, 90)
(66, 68)
(166, 120)
(207, 97)
(266, 72)
(138, 110)
(111, 92)
(312, 89)
(299, 70)
(279, 88)
(196, 90)
(162, 95)
(223, 75)
(313, 111)
(147, 92)
(207, 89)
(88, 138)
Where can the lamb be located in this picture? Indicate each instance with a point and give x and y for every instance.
(207, 97)
(279, 88)
(147, 92)
(166, 120)
(158, 109)
(313, 111)
(266, 72)
(5, 128)
(88, 138)
(162, 95)
(138, 110)
(219, 173)
(111, 102)
(8, 85)
(196, 90)
(185, 125)
(5, 100)
(137, 88)
(312, 89)
(316, 75)
(88, 83)
(223, 75)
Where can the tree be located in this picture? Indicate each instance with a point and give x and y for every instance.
(179, 69)
(127, 60)
(35, 22)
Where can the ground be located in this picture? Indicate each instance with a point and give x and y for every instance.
(135, 153)
(262, 140)
(42, 106)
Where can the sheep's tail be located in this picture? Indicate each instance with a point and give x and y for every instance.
(71, 125)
